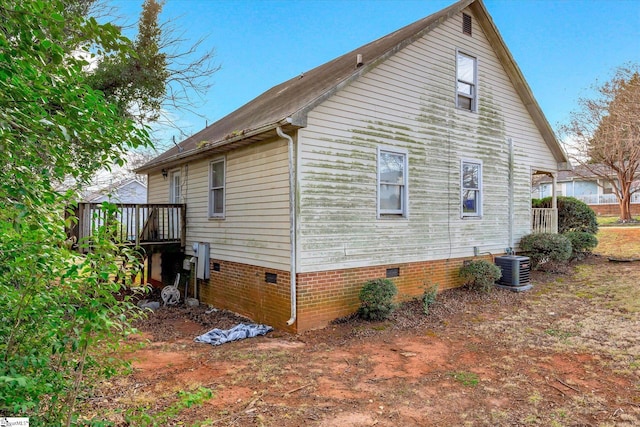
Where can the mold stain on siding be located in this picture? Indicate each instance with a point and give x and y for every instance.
(340, 182)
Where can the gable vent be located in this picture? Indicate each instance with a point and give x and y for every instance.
(466, 24)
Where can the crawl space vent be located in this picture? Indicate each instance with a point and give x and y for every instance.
(271, 277)
(393, 272)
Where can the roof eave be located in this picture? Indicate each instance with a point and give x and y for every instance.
(300, 117)
(214, 146)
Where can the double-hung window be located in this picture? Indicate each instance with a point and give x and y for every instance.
(392, 182)
(471, 185)
(467, 82)
(216, 188)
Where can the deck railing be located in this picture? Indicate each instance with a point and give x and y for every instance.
(544, 220)
(137, 224)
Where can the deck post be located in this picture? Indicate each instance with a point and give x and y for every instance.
(137, 227)
(149, 267)
(183, 225)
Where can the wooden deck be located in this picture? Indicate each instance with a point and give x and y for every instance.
(140, 225)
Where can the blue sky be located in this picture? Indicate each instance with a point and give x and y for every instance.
(563, 47)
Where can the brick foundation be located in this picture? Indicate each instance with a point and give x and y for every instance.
(321, 296)
(242, 288)
(614, 209)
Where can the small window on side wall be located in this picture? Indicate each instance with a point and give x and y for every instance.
(392, 182)
(466, 87)
(216, 188)
(471, 186)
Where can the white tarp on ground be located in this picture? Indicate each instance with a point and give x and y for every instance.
(238, 332)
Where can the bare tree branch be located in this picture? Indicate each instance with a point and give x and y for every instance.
(603, 135)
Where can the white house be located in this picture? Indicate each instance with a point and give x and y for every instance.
(400, 159)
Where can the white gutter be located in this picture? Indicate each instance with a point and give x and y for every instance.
(211, 146)
(292, 225)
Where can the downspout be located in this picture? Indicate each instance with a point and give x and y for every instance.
(554, 202)
(292, 225)
(511, 190)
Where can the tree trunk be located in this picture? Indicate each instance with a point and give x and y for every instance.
(625, 208)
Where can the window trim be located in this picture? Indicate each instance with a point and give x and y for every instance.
(403, 212)
(172, 192)
(480, 195)
(222, 215)
(474, 84)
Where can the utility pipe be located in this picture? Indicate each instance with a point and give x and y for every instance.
(511, 191)
(292, 225)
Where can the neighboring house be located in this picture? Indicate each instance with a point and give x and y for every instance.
(584, 185)
(400, 159)
(130, 190)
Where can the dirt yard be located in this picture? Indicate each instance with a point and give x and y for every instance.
(566, 353)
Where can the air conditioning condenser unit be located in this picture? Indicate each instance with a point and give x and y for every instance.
(515, 272)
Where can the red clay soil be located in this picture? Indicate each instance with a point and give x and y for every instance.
(471, 361)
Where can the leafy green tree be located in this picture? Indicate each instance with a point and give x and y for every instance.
(137, 82)
(165, 72)
(55, 305)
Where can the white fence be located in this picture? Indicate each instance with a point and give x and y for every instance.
(605, 199)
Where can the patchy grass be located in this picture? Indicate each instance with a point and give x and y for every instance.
(467, 379)
(606, 221)
(565, 354)
(623, 242)
(620, 293)
(596, 310)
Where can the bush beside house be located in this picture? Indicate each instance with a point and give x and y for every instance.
(573, 214)
(480, 275)
(577, 227)
(376, 299)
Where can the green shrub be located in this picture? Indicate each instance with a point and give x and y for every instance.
(545, 247)
(376, 299)
(141, 416)
(581, 242)
(480, 275)
(429, 297)
(573, 214)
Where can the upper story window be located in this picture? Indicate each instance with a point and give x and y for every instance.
(392, 182)
(216, 188)
(175, 188)
(471, 186)
(466, 72)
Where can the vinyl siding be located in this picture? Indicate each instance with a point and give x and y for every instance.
(255, 228)
(408, 102)
(157, 189)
